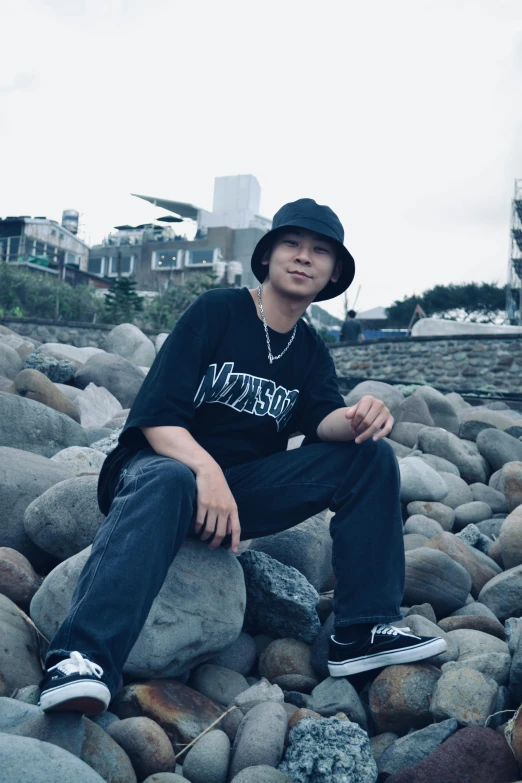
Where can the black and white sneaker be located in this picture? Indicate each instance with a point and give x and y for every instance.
(384, 646)
(75, 685)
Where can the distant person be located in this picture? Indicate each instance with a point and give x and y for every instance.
(351, 328)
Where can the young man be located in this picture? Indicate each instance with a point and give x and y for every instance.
(351, 328)
(204, 451)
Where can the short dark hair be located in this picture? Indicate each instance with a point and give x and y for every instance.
(351, 313)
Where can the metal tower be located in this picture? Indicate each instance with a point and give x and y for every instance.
(514, 281)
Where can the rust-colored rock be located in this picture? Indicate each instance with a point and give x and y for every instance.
(302, 713)
(472, 755)
(34, 385)
(286, 656)
(495, 553)
(400, 697)
(474, 623)
(467, 557)
(145, 743)
(182, 712)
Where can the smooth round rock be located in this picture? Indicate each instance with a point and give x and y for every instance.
(80, 460)
(465, 695)
(510, 539)
(240, 656)
(18, 579)
(207, 761)
(24, 760)
(261, 774)
(145, 743)
(480, 568)
(400, 697)
(440, 512)
(414, 541)
(440, 464)
(511, 483)
(130, 342)
(260, 738)
(503, 594)
(471, 513)
(286, 656)
(464, 454)
(474, 623)
(34, 385)
(458, 491)
(433, 577)
(498, 448)
(217, 683)
(420, 482)
(495, 500)
(418, 523)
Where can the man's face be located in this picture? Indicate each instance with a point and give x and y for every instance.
(302, 263)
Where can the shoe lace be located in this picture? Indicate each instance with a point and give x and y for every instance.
(77, 664)
(391, 630)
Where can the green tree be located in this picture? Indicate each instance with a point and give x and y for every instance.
(122, 303)
(167, 308)
(473, 302)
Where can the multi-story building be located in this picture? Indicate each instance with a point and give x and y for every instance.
(158, 256)
(43, 243)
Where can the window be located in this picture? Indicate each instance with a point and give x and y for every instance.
(96, 265)
(72, 258)
(126, 268)
(166, 259)
(201, 256)
(39, 249)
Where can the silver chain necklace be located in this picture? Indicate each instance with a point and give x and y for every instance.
(272, 358)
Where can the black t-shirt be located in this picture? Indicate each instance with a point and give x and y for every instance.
(212, 377)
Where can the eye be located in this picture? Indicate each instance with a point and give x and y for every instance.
(291, 242)
(321, 250)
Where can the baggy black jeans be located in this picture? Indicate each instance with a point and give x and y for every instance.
(154, 508)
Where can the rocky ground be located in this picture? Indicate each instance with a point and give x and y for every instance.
(240, 692)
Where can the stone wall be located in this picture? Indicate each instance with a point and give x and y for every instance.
(81, 335)
(461, 363)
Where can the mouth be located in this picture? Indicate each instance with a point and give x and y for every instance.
(300, 274)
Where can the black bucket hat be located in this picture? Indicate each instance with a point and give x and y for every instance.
(306, 213)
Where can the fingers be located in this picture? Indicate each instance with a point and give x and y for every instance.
(358, 412)
(234, 529)
(384, 421)
(220, 532)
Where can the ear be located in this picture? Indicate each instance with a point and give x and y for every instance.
(266, 259)
(336, 274)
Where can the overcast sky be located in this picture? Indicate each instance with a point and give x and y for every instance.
(405, 116)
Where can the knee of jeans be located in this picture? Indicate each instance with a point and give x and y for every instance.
(379, 451)
(169, 472)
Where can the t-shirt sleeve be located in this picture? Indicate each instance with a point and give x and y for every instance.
(166, 397)
(320, 395)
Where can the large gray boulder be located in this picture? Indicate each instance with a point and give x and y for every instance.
(128, 341)
(498, 448)
(391, 396)
(122, 378)
(23, 477)
(31, 426)
(191, 619)
(19, 650)
(25, 760)
(420, 482)
(441, 410)
(64, 351)
(503, 594)
(65, 518)
(307, 547)
(280, 601)
(415, 410)
(10, 362)
(464, 454)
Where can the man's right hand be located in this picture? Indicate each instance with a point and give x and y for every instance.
(217, 509)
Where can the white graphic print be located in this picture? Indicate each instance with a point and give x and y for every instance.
(247, 393)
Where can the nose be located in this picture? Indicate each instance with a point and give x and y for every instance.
(303, 256)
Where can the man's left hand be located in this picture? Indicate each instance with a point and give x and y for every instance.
(370, 417)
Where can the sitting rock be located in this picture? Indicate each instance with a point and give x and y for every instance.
(33, 385)
(186, 602)
(391, 396)
(307, 547)
(328, 751)
(280, 601)
(64, 519)
(57, 370)
(29, 425)
(80, 460)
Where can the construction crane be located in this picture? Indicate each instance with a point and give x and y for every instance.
(514, 281)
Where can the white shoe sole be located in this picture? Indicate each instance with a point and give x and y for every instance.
(85, 696)
(368, 662)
